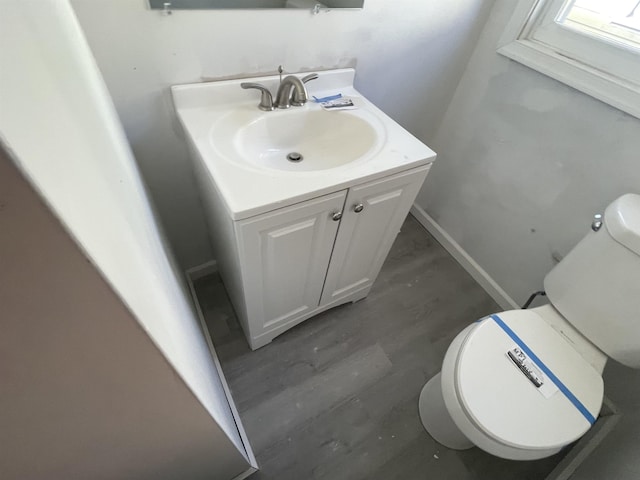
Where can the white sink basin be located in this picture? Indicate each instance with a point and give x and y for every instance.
(300, 139)
(240, 152)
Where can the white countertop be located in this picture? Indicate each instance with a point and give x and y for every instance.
(248, 190)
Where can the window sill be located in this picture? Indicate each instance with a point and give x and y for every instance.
(601, 85)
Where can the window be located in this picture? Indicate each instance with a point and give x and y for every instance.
(591, 45)
(614, 21)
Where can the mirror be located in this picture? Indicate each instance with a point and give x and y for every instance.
(231, 4)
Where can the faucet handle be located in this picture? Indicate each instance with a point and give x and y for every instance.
(308, 78)
(266, 100)
(301, 96)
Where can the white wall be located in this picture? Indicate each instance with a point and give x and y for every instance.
(58, 120)
(408, 55)
(523, 164)
(85, 393)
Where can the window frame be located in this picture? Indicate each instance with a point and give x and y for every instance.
(594, 66)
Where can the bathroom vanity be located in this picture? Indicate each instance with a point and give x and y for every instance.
(295, 236)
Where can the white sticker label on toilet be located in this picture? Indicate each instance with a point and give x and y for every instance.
(531, 371)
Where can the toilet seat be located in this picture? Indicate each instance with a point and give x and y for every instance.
(503, 404)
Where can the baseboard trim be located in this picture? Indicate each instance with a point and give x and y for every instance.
(193, 274)
(464, 259)
(246, 473)
(202, 270)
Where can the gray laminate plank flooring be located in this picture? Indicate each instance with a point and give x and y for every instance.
(336, 397)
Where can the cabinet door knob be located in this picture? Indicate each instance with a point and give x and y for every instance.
(597, 223)
(335, 216)
(358, 208)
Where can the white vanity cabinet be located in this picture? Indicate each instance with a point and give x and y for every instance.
(284, 256)
(373, 215)
(293, 236)
(302, 259)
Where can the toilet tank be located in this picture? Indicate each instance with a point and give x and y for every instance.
(596, 287)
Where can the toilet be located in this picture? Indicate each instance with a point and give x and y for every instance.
(523, 384)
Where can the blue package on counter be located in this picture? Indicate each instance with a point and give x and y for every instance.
(327, 99)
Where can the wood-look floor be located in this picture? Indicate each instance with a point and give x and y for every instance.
(337, 396)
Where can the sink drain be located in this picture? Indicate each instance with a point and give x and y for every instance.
(295, 157)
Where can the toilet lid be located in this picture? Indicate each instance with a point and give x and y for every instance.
(501, 398)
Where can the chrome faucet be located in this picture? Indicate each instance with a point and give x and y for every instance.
(292, 91)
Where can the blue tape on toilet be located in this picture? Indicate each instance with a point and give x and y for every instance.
(561, 386)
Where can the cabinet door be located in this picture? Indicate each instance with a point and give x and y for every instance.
(284, 255)
(365, 236)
